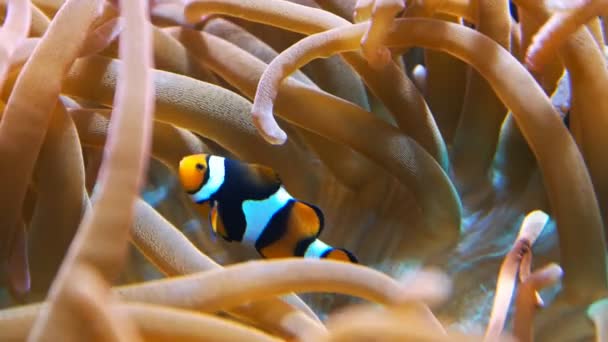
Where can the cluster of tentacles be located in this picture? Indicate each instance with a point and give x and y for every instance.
(434, 134)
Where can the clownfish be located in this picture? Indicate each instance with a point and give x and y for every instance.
(250, 205)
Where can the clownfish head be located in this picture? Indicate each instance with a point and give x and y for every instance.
(193, 172)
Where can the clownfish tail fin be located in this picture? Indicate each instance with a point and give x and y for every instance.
(340, 254)
(320, 250)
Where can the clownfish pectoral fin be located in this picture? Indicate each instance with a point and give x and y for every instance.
(340, 254)
(216, 223)
(212, 216)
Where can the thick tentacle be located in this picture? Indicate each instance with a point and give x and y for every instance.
(560, 25)
(526, 300)
(589, 105)
(382, 15)
(482, 112)
(568, 185)
(209, 291)
(102, 240)
(26, 118)
(59, 180)
(389, 83)
(346, 165)
(13, 32)
(531, 228)
(169, 143)
(193, 105)
(444, 87)
(598, 312)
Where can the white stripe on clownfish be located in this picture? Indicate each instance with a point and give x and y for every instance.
(259, 212)
(316, 249)
(217, 173)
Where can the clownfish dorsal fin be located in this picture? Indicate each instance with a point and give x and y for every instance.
(216, 222)
(263, 174)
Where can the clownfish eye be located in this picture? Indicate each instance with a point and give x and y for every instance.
(199, 166)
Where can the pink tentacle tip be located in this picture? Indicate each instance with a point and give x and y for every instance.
(268, 128)
(554, 272)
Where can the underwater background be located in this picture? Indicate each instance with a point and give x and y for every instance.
(456, 147)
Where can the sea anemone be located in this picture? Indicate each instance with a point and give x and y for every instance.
(445, 141)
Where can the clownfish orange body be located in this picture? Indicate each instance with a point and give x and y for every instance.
(250, 205)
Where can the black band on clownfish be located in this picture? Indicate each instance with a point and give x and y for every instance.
(250, 205)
